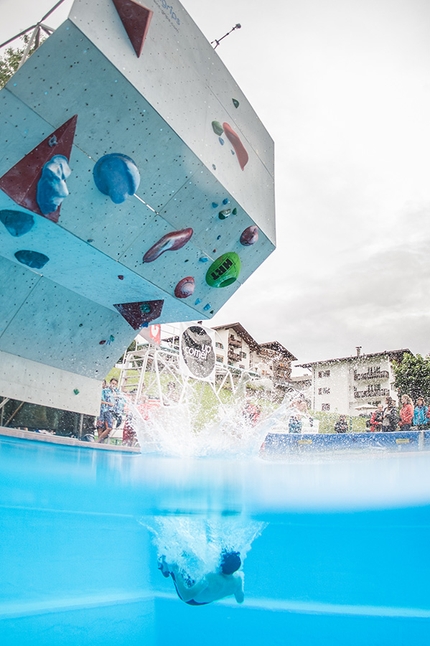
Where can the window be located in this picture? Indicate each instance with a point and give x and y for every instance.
(219, 345)
(323, 373)
(323, 391)
(325, 406)
(243, 355)
(219, 358)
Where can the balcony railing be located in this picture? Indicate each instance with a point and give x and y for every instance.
(364, 394)
(233, 356)
(378, 374)
(236, 343)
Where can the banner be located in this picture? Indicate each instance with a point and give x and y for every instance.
(151, 334)
(197, 353)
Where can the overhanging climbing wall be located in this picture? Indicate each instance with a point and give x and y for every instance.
(136, 186)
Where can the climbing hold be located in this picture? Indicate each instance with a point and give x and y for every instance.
(249, 236)
(225, 200)
(32, 259)
(169, 242)
(185, 287)
(51, 187)
(116, 175)
(76, 391)
(218, 237)
(214, 205)
(102, 342)
(136, 20)
(224, 214)
(217, 128)
(137, 314)
(21, 181)
(17, 222)
(235, 103)
(207, 307)
(239, 148)
(197, 301)
(224, 270)
(52, 141)
(203, 259)
(221, 140)
(121, 277)
(234, 212)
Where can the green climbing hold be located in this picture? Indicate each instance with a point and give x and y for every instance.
(76, 391)
(235, 103)
(217, 128)
(224, 270)
(224, 214)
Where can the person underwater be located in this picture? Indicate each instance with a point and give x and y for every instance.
(223, 582)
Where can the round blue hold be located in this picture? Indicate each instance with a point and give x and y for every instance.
(17, 222)
(32, 259)
(117, 176)
(221, 140)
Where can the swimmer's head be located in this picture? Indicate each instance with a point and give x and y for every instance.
(230, 562)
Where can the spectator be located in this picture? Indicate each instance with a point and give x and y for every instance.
(390, 419)
(105, 421)
(341, 425)
(406, 413)
(294, 424)
(376, 419)
(420, 414)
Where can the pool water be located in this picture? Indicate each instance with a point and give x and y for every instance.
(335, 549)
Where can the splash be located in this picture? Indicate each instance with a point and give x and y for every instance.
(189, 428)
(196, 543)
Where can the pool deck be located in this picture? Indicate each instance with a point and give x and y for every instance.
(65, 441)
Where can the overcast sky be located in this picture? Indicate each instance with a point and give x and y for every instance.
(343, 87)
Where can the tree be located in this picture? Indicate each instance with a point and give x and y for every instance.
(11, 59)
(412, 376)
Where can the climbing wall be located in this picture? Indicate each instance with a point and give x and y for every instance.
(136, 186)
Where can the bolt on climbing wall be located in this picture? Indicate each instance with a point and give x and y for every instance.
(136, 186)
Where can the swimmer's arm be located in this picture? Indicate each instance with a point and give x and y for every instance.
(238, 593)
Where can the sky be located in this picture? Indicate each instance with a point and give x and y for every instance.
(343, 88)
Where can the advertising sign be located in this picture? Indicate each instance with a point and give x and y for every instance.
(197, 353)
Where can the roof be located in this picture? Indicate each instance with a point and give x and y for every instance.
(396, 355)
(240, 330)
(279, 348)
(275, 346)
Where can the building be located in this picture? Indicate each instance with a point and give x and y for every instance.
(350, 385)
(238, 349)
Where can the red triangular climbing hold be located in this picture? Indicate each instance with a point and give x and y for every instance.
(20, 182)
(140, 314)
(136, 19)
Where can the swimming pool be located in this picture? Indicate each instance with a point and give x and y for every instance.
(336, 547)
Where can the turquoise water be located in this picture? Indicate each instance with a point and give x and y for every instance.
(336, 549)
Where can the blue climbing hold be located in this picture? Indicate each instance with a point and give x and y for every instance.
(117, 176)
(52, 187)
(32, 259)
(17, 222)
(207, 307)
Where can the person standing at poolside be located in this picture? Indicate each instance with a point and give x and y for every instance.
(406, 413)
(105, 421)
(376, 419)
(420, 414)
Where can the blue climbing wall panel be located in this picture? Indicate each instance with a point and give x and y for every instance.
(122, 135)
